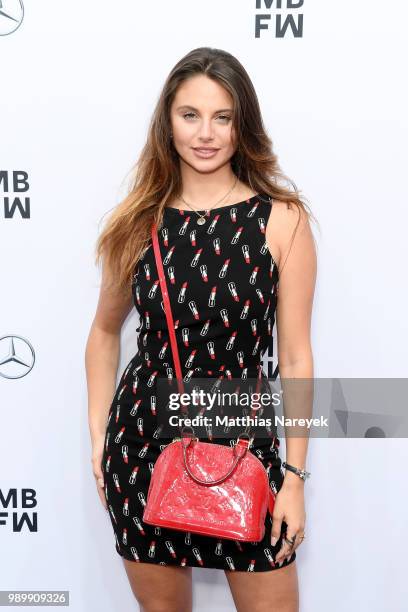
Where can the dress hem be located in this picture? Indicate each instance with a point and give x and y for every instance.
(190, 563)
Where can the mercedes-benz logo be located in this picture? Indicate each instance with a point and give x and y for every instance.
(16, 357)
(11, 16)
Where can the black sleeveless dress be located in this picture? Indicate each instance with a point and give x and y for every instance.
(222, 283)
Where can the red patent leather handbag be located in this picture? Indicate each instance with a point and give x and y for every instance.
(191, 489)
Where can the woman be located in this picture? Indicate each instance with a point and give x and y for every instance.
(207, 161)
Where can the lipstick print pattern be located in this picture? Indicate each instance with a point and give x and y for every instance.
(223, 286)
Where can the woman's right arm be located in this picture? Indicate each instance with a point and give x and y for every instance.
(101, 364)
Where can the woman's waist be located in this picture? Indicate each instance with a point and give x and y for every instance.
(155, 369)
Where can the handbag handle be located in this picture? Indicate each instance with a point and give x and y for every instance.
(238, 457)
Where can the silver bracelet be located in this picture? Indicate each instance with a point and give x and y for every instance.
(301, 473)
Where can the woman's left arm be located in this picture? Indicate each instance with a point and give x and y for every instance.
(289, 237)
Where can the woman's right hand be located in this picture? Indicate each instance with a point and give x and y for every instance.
(97, 453)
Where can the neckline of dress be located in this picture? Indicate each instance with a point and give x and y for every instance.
(248, 202)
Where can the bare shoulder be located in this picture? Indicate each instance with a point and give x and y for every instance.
(286, 221)
(286, 216)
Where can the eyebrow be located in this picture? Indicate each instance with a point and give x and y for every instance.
(221, 110)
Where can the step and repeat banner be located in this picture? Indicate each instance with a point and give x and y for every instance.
(79, 82)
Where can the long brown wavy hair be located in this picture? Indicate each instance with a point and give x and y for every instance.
(156, 178)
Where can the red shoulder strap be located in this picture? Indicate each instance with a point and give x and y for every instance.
(167, 308)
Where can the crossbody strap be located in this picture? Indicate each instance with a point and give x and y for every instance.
(167, 308)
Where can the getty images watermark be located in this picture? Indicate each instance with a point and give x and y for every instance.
(252, 403)
(316, 407)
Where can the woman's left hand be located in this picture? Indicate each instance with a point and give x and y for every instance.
(289, 507)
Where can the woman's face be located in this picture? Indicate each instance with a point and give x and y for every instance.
(201, 120)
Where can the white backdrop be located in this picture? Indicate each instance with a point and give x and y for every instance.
(78, 85)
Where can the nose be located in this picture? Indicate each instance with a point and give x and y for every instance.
(205, 130)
